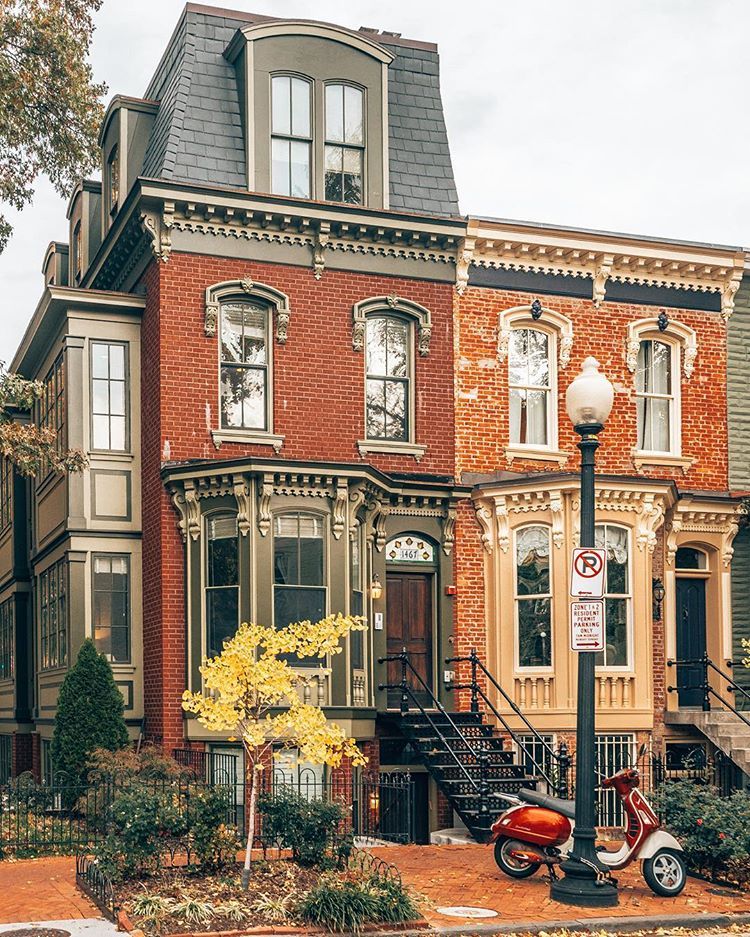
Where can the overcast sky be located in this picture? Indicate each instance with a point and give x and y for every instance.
(627, 116)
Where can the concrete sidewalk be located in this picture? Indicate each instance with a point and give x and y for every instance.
(78, 928)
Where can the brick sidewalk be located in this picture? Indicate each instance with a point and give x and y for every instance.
(42, 890)
(467, 876)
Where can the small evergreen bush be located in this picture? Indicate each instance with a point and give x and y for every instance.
(347, 903)
(713, 830)
(308, 827)
(89, 715)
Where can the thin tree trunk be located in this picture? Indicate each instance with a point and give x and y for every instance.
(250, 831)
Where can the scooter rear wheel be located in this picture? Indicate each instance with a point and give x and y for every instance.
(665, 873)
(510, 864)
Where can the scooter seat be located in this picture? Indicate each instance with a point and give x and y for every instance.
(566, 807)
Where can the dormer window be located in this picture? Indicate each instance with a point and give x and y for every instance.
(291, 136)
(345, 144)
(113, 179)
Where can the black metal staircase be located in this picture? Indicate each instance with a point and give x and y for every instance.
(463, 751)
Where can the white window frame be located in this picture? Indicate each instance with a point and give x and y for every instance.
(410, 409)
(623, 668)
(360, 147)
(253, 302)
(541, 595)
(551, 389)
(675, 402)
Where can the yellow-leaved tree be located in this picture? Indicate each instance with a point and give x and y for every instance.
(250, 690)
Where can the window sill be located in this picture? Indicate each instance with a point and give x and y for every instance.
(248, 438)
(111, 455)
(661, 458)
(536, 454)
(390, 447)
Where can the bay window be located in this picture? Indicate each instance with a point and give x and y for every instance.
(533, 598)
(617, 596)
(222, 582)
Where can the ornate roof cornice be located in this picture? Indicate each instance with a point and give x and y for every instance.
(601, 257)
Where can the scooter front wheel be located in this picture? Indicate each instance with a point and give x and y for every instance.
(512, 865)
(665, 873)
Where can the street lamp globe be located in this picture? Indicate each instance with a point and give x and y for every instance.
(589, 396)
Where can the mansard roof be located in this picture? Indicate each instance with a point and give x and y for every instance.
(197, 135)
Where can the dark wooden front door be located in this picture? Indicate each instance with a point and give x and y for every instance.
(691, 639)
(409, 625)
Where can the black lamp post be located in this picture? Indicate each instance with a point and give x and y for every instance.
(588, 402)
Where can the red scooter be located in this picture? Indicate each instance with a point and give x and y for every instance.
(538, 830)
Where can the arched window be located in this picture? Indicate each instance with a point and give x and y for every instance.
(245, 395)
(530, 379)
(344, 144)
(617, 596)
(657, 386)
(533, 597)
(691, 558)
(388, 390)
(291, 136)
(299, 591)
(222, 582)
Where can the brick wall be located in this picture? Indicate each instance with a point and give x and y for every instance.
(482, 387)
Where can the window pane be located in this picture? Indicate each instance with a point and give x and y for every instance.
(616, 652)
(298, 604)
(353, 129)
(280, 163)
(100, 427)
(117, 362)
(100, 396)
(534, 633)
(222, 618)
(654, 368)
(538, 358)
(532, 561)
(375, 395)
(395, 409)
(222, 558)
(280, 105)
(116, 397)
(528, 417)
(376, 354)
(528, 358)
(99, 360)
(300, 107)
(397, 344)
(286, 560)
(311, 562)
(254, 335)
(352, 177)
(232, 317)
(653, 424)
(334, 113)
(518, 357)
(615, 541)
(690, 558)
(300, 169)
(243, 398)
(333, 174)
(117, 432)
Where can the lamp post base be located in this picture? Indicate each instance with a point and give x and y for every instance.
(579, 887)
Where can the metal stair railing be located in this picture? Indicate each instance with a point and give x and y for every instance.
(561, 758)
(407, 691)
(707, 665)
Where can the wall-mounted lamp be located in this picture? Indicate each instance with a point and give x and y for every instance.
(376, 588)
(657, 593)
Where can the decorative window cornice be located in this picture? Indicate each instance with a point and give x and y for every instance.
(241, 289)
(662, 327)
(535, 316)
(385, 304)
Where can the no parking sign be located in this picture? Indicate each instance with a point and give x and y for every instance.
(589, 568)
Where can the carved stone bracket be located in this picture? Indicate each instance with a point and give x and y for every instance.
(378, 304)
(601, 275)
(484, 517)
(463, 264)
(338, 515)
(265, 491)
(356, 500)
(650, 517)
(502, 520)
(728, 293)
(242, 496)
(449, 530)
(158, 227)
(185, 501)
(558, 518)
(322, 238)
(228, 290)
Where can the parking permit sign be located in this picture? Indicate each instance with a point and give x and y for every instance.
(588, 570)
(587, 626)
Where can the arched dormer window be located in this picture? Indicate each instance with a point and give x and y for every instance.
(653, 355)
(536, 342)
(387, 329)
(243, 314)
(291, 135)
(344, 143)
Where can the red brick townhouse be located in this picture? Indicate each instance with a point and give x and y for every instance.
(251, 336)
(532, 303)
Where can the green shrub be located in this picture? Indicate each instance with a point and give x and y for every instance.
(349, 902)
(212, 840)
(713, 830)
(89, 715)
(308, 827)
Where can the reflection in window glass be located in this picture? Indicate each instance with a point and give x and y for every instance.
(617, 595)
(108, 396)
(356, 598)
(529, 381)
(299, 574)
(222, 582)
(533, 597)
(690, 558)
(654, 396)
(387, 357)
(112, 607)
(244, 366)
(344, 150)
(291, 138)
